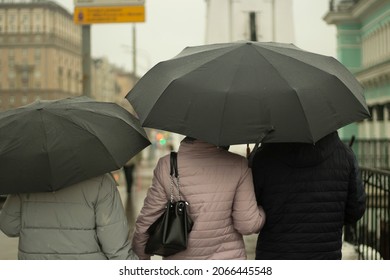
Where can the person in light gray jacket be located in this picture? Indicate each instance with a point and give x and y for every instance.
(84, 221)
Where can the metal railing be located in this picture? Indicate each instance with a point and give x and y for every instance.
(372, 153)
(371, 234)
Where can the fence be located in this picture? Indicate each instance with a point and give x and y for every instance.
(373, 153)
(371, 234)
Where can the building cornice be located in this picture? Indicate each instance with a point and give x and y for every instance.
(373, 75)
(45, 40)
(30, 5)
(354, 13)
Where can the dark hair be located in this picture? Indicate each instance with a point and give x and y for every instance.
(189, 139)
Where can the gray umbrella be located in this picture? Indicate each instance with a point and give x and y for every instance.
(237, 93)
(48, 145)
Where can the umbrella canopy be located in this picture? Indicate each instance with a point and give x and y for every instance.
(48, 145)
(235, 93)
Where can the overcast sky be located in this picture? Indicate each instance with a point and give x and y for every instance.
(171, 25)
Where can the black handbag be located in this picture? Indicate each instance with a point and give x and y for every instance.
(168, 235)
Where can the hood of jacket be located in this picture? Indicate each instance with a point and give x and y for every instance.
(303, 154)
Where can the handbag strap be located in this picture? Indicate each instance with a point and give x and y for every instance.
(174, 173)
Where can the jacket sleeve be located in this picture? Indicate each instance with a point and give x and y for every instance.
(154, 205)
(248, 218)
(10, 216)
(356, 201)
(111, 222)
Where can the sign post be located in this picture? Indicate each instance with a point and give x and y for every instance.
(87, 12)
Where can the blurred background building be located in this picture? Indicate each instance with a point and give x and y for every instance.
(363, 39)
(40, 55)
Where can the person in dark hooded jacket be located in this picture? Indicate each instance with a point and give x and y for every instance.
(309, 193)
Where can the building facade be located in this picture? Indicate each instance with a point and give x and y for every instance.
(255, 20)
(40, 53)
(363, 46)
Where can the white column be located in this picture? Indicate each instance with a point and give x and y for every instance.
(228, 20)
(375, 124)
(386, 121)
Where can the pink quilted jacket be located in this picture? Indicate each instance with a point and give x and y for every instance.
(218, 186)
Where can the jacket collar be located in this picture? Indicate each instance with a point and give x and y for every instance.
(197, 146)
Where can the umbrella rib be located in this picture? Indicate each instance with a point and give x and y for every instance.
(46, 146)
(295, 91)
(229, 49)
(321, 67)
(225, 101)
(304, 114)
(60, 116)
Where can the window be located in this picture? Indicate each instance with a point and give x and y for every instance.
(69, 80)
(387, 108)
(37, 74)
(60, 78)
(25, 79)
(11, 63)
(370, 109)
(11, 23)
(37, 54)
(11, 74)
(24, 52)
(38, 23)
(379, 112)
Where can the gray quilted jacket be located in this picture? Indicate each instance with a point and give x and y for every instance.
(83, 221)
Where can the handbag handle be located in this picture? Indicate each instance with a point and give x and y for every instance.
(174, 170)
(174, 173)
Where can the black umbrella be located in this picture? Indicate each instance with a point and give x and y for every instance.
(236, 93)
(48, 145)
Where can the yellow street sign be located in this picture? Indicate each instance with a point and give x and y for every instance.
(107, 3)
(108, 14)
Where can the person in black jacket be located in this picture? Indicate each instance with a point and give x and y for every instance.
(309, 192)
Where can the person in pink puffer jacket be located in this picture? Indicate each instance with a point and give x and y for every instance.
(218, 186)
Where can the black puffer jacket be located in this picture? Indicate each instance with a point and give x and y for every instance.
(308, 193)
